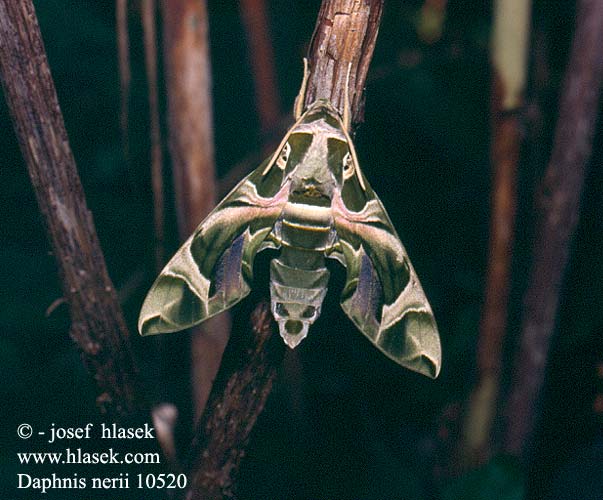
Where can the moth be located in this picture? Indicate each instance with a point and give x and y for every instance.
(310, 201)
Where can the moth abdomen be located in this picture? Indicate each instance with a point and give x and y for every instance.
(297, 293)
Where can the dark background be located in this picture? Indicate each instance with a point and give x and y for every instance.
(360, 426)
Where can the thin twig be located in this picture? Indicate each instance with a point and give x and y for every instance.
(188, 82)
(165, 417)
(123, 57)
(97, 324)
(255, 21)
(510, 42)
(149, 11)
(558, 202)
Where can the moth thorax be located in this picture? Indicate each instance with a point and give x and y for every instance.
(307, 226)
(296, 298)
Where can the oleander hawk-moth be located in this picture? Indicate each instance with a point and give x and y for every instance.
(310, 201)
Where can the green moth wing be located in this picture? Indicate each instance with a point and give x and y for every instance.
(382, 295)
(213, 269)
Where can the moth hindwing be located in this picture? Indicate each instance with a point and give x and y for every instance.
(310, 201)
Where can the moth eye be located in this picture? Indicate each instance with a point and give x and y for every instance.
(283, 156)
(348, 167)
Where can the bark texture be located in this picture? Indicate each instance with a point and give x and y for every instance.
(558, 203)
(238, 397)
(97, 324)
(343, 40)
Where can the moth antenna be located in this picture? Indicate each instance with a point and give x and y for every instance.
(347, 114)
(298, 107)
(347, 123)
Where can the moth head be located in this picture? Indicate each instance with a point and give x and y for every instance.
(279, 166)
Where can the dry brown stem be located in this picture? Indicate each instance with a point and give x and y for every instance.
(125, 76)
(191, 141)
(238, 397)
(255, 21)
(509, 68)
(97, 324)
(345, 34)
(148, 11)
(558, 203)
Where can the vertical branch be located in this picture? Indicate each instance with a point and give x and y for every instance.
(255, 21)
(558, 202)
(250, 360)
(123, 56)
(97, 324)
(238, 397)
(509, 63)
(188, 82)
(345, 34)
(150, 52)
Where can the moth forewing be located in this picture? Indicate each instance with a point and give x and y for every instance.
(383, 295)
(227, 241)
